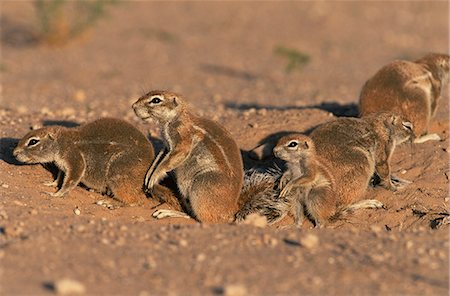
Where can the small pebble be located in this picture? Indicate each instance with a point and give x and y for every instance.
(310, 241)
(69, 287)
(184, 243)
(235, 290)
(81, 228)
(376, 228)
(4, 185)
(200, 257)
(77, 211)
(256, 220)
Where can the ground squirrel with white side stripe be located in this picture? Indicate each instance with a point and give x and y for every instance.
(306, 187)
(357, 148)
(202, 154)
(108, 155)
(410, 89)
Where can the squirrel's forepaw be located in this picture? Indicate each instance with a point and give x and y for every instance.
(51, 184)
(399, 183)
(285, 191)
(55, 194)
(283, 182)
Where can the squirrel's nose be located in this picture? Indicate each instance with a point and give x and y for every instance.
(16, 152)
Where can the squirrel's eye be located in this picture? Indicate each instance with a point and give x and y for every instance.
(32, 142)
(155, 100)
(293, 144)
(407, 125)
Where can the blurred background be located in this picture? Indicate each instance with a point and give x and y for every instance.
(85, 59)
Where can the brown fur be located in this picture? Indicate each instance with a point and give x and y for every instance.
(355, 149)
(409, 89)
(107, 155)
(203, 155)
(307, 182)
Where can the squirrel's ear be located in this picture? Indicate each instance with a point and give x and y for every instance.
(51, 136)
(175, 101)
(306, 145)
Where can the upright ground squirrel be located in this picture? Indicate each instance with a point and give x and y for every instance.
(204, 157)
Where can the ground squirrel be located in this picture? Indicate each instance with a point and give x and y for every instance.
(306, 187)
(410, 89)
(107, 155)
(204, 157)
(307, 182)
(355, 149)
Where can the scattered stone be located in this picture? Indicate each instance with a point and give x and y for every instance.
(200, 257)
(3, 215)
(310, 241)
(33, 212)
(13, 231)
(262, 111)
(4, 185)
(80, 228)
(183, 243)
(268, 240)
(376, 228)
(46, 111)
(403, 171)
(68, 287)
(235, 290)
(77, 211)
(255, 220)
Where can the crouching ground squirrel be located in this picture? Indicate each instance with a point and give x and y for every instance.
(306, 187)
(355, 149)
(107, 155)
(410, 89)
(204, 157)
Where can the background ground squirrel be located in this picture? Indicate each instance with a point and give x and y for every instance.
(410, 89)
(355, 149)
(107, 155)
(204, 157)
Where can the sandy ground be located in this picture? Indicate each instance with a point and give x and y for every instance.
(221, 56)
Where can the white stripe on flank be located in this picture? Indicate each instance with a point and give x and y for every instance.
(217, 144)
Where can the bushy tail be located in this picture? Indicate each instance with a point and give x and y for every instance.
(258, 182)
(259, 194)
